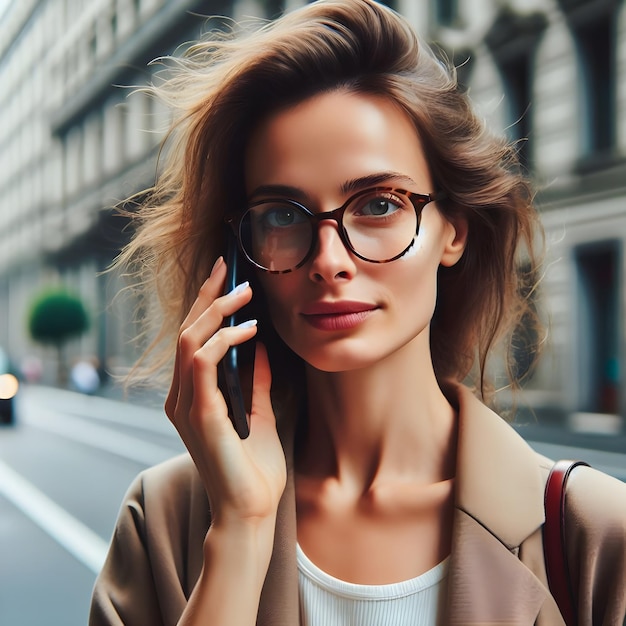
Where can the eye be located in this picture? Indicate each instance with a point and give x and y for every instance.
(377, 206)
(278, 216)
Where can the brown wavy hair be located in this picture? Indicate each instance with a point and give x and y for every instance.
(225, 84)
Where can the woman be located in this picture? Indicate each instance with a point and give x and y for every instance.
(388, 493)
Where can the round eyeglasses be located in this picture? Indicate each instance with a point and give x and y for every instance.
(378, 225)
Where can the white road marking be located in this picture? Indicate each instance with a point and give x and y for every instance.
(101, 409)
(79, 540)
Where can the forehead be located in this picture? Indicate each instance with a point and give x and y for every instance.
(333, 137)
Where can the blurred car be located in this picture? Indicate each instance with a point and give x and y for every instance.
(9, 386)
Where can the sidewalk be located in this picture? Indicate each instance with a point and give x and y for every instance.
(596, 432)
(149, 398)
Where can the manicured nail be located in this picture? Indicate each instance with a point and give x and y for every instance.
(218, 262)
(239, 288)
(248, 324)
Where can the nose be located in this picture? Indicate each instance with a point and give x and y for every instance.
(331, 259)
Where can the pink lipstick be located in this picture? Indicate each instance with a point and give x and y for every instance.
(333, 316)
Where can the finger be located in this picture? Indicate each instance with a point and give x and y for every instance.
(208, 402)
(212, 318)
(172, 395)
(202, 332)
(210, 290)
(208, 325)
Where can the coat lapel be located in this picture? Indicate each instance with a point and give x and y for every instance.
(499, 500)
(279, 603)
(488, 584)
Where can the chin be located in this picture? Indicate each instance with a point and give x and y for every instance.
(338, 358)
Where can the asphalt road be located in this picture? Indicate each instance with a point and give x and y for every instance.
(64, 469)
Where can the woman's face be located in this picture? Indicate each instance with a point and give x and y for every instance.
(339, 312)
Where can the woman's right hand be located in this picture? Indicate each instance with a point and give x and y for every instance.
(244, 478)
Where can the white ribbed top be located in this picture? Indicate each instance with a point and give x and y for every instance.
(328, 601)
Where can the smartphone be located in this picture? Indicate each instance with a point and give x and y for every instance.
(239, 360)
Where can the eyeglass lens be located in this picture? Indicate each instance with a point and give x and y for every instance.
(278, 235)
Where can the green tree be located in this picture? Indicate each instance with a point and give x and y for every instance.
(56, 316)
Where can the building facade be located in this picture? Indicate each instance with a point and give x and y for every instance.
(552, 75)
(549, 73)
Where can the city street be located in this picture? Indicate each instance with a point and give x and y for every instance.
(63, 472)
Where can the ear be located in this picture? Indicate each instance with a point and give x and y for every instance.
(456, 238)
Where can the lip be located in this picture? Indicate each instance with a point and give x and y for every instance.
(340, 315)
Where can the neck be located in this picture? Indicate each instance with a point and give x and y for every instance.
(384, 422)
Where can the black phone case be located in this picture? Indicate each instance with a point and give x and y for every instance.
(230, 367)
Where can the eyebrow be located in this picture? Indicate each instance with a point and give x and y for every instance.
(374, 180)
(350, 186)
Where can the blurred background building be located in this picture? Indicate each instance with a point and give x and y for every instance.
(75, 140)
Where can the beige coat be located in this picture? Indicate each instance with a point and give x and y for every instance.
(496, 568)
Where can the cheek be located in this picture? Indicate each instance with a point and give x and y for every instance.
(279, 295)
(414, 279)
(282, 298)
(413, 250)
(421, 261)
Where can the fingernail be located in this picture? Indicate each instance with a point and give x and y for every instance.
(239, 288)
(218, 262)
(248, 324)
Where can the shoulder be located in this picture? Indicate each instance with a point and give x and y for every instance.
(595, 505)
(595, 538)
(168, 492)
(172, 478)
(155, 556)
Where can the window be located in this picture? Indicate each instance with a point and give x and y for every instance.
(462, 58)
(113, 136)
(392, 4)
(525, 342)
(512, 41)
(595, 43)
(114, 32)
(516, 75)
(598, 309)
(593, 24)
(446, 12)
(273, 8)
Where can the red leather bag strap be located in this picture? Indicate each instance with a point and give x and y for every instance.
(554, 546)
